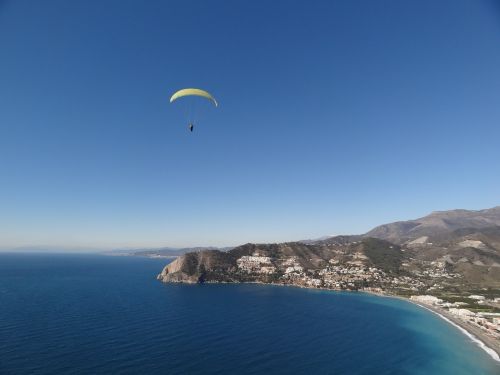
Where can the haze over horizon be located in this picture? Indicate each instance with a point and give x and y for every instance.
(334, 117)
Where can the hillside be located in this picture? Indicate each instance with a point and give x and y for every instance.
(450, 250)
(436, 224)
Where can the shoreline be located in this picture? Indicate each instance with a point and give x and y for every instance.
(488, 344)
(479, 338)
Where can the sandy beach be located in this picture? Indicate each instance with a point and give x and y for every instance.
(478, 336)
(485, 342)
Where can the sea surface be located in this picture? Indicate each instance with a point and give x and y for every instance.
(95, 314)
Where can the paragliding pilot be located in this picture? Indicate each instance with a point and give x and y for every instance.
(191, 92)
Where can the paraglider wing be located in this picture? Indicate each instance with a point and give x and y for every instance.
(195, 92)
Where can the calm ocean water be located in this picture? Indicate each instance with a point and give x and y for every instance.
(90, 314)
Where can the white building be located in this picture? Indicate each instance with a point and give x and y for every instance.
(255, 264)
(294, 269)
(477, 297)
(430, 300)
(461, 312)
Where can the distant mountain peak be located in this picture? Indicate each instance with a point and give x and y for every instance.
(437, 223)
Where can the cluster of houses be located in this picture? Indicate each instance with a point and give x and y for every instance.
(434, 269)
(256, 264)
(351, 275)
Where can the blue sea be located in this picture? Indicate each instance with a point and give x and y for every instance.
(95, 314)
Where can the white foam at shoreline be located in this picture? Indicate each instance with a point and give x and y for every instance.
(493, 354)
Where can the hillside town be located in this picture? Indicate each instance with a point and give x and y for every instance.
(354, 274)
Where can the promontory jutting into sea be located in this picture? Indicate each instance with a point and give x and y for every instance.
(447, 261)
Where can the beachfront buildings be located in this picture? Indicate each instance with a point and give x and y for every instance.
(487, 322)
(429, 300)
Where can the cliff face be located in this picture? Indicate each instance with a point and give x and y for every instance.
(194, 267)
(179, 271)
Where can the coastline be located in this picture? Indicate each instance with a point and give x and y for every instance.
(488, 344)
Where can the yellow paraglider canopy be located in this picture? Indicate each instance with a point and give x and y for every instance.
(191, 92)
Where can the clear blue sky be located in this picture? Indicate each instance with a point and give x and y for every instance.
(334, 117)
